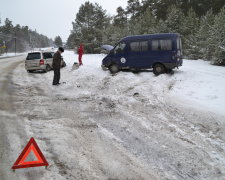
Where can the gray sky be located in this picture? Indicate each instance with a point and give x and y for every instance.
(50, 17)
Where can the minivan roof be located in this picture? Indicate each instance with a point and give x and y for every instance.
(34, 52)
(40, 52)
(151, 36)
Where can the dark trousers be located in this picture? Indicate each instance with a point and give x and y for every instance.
(56, 76)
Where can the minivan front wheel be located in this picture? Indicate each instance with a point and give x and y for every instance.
(159, 69)
(114, 68)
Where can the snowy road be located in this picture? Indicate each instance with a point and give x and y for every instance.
(11, 126)
(128, 126)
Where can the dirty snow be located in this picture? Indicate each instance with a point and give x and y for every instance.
(128, 126)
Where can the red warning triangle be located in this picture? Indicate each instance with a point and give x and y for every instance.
(30, 147)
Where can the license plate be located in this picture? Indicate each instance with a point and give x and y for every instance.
(32, 65)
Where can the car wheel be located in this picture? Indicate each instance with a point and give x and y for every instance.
(29, 71)
(48, 68)
(114, 68)
(159, 69)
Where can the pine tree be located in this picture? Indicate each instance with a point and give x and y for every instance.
(147, 4)
(160, 7)
(189, 29)
(26, 38)
(114, 33)
(204, 39)
(133, 8)
(58, 41)
(89, 26)
(144, 24)
(121, 18)
(8, 27)
(218, 42)
(161, 27)
(174, 19)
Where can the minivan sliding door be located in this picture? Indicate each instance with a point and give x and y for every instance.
(138, 54)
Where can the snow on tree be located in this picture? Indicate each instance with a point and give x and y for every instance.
(204, 39)
(90, 23)
(201, 31)
(26, 38)
(146, 23)
(174, 19)
(189, 28)
(218, 41)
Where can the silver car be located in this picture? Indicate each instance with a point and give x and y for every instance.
(40, 60)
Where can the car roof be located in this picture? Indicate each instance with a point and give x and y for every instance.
(150, 36)
(34, 52)
(41, 52)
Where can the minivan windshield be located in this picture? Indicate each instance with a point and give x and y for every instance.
(119, 48)
(32, 56)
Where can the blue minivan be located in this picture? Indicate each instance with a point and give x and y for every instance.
(162, 52)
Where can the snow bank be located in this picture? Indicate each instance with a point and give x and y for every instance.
(196, 83)
(11, 54)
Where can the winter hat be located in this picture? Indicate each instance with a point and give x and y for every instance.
(61, 49)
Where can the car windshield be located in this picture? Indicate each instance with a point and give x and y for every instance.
(32, 56)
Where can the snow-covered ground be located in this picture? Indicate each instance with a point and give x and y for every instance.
(127, 126)
(197, 83)
(202, 85)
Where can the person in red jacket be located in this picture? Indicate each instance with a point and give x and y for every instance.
(80, 52)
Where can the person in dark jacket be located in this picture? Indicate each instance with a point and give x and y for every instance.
(56, 65)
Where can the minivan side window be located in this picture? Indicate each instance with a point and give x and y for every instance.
(139, 46)
(164, 45)
(134, 46)
(119, 48)
(144, 45)
(47, 55)
(155, 45)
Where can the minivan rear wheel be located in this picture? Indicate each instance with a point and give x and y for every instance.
(159, 69)
(48, 68)
(114, 68)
